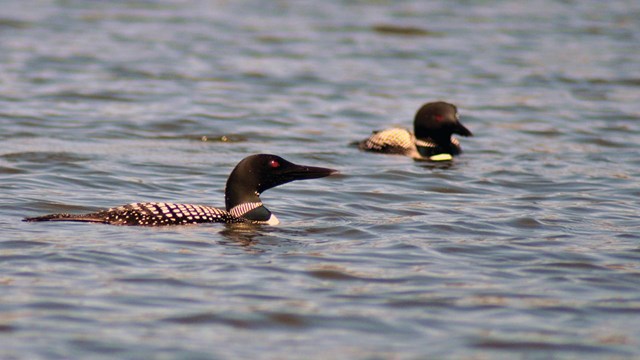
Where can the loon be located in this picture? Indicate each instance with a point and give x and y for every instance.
(253, 175)
(433, 125)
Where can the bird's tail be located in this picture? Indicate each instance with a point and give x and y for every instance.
(64, 217)
(355, 143)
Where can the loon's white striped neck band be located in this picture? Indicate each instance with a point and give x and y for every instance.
(242, 209)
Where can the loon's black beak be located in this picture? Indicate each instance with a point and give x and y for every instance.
(301, 172)
(461, 130)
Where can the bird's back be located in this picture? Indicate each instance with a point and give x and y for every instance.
(150, 214)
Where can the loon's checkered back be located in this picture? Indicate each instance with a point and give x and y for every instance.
(391, 141)
(150, 214)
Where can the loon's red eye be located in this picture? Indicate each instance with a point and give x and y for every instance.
(274, 164)
(438, 117)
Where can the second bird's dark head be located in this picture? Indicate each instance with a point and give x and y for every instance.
(438, 120)
(257, 173)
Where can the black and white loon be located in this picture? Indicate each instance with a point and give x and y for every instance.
(433, 126)
(253, 175)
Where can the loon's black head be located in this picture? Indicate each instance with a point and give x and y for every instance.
(437, 121)
(257, 173)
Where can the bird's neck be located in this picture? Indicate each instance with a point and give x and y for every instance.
(443, 144)
(239, 194)
(442, 140)
(242, 199)
(248, 205)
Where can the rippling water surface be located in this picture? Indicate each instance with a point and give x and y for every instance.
(528, 245)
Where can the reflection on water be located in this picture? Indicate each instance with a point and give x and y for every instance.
(524, 246)
(245, 235)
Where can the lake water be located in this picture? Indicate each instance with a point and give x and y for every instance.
(526, 246)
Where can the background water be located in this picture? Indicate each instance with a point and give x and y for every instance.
(528, 245)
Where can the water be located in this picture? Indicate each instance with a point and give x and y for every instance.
(526, 246)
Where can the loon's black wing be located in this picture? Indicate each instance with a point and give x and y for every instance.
(149, 214)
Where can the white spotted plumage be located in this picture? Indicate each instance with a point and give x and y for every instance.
(154, 214)
(400, 140)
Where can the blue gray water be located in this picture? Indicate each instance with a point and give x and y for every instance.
(526, 246)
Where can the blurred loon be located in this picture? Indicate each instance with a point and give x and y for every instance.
(253, 175)
(433, 126)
